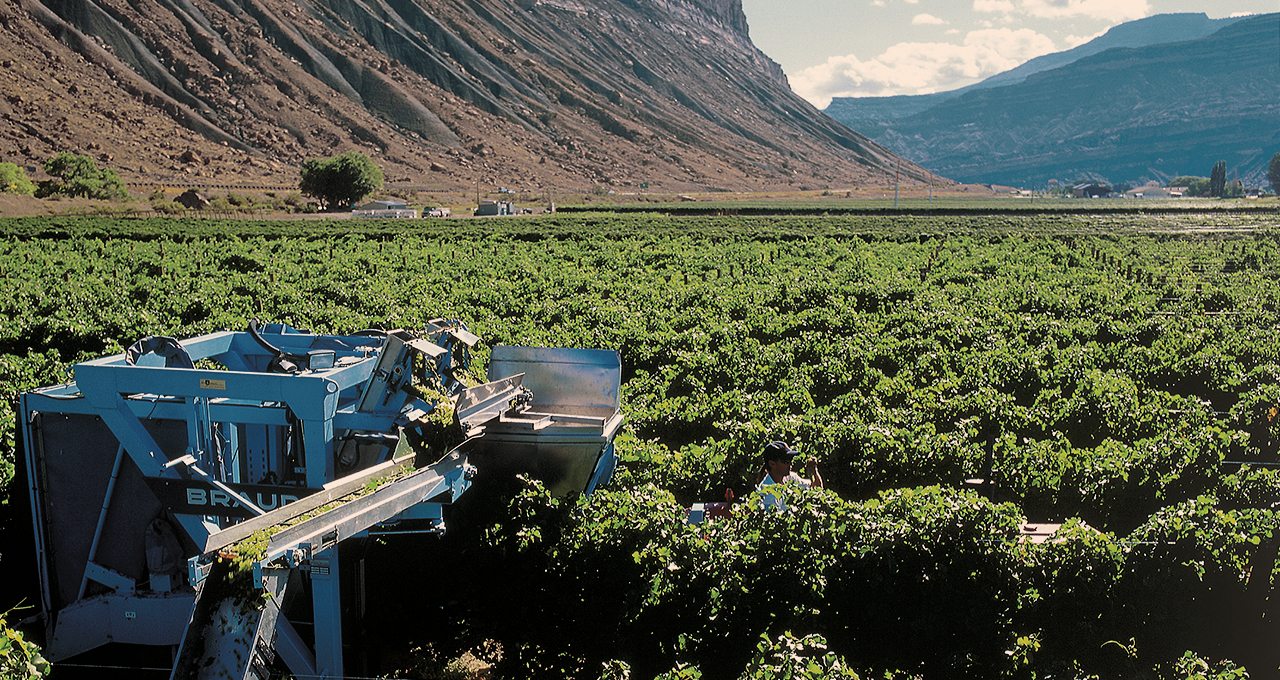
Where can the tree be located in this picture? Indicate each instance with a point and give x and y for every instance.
(1218, 180)
(1273, 173)
(1201, 186)
(75, 175)
(13, 180)
(1195, 186)
(342, 180)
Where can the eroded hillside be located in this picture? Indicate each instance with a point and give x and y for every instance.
(528, 94)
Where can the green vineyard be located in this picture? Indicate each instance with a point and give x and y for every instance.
(954, 377)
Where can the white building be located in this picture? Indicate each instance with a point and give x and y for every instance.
(385, 210)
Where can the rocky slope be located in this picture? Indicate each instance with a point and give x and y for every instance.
(1150, 112)
(528, 94)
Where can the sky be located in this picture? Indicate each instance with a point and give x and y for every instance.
(862, 48)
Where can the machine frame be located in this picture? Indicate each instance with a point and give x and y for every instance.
(277, 430)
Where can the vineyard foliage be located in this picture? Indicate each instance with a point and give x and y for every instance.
(953, 376)
(20, 659)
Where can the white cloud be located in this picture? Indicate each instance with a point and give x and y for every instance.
(1004, 6)
(1110, 10)
(877, 3)
(927, 20)
(921, 67)
(1078, 40)
(953, 31)
(912, 2)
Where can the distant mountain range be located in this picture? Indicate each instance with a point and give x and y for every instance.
(1150, 99)
(529, 94)
(868, 112)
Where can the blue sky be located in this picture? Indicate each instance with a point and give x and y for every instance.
(836, 48)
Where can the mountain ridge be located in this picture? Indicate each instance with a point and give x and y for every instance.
(1123, 114)
(868, 114)
(528, 94)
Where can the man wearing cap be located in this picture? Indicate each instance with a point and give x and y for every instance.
(778, 457)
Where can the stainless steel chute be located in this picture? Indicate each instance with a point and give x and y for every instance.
(563, 435)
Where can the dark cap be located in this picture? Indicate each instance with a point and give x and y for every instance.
(779, 451)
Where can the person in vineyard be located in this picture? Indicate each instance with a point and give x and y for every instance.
(778, 457)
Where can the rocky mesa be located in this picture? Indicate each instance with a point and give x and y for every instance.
(530, 94)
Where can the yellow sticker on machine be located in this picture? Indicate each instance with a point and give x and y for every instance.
(208, 384)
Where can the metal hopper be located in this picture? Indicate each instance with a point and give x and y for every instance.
(563, 435)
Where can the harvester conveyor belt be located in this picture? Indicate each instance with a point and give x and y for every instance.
(359, 512)
(236, 632)
(331, 492)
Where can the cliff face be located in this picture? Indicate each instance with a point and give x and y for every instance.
(524, 93)
(727, 12)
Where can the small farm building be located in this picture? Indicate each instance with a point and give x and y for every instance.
(386, 210)
(494, 208)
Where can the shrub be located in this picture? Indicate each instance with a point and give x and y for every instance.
(621, 577)
(74, 175)
(789, 658)
(19, 659)
(168, 207)
(1192, 666)
(1071, 582)
(13, 180)
(1199, 576)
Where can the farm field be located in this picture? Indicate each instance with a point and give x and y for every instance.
(835, 203)
(953, 376)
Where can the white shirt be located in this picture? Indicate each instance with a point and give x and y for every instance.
(771, 500)
(792, 478)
